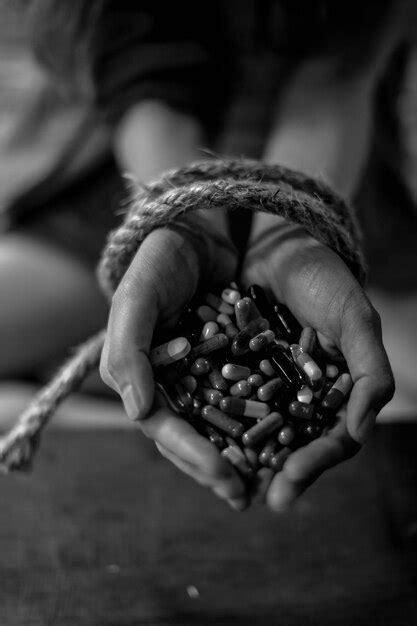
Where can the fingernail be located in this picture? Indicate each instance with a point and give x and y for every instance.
(366, 427)
(130, 402)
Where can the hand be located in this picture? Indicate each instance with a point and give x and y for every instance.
(321, 292)
(159, 283)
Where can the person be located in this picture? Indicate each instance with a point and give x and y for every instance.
(160, 81)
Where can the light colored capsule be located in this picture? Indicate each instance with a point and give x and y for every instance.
(241, 389)
(247, 408)
(335, 397)
(226, 423)
(206, 313)
(305, 394)
(230, 296)
(332, 371)
(306, 363)
(217, 303)
(209, 330)
(266, 368)
(170, 352)
(230, 371)
(189, 383)
(269, 389)
(236, 457)
(283, 343)
(262, 429)
(308, 339)
(255, 380)
(213, 344)
(228, 326)
(261, 341)
(245, 311)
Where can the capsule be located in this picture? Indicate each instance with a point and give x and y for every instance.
(175, 392)
(306, 363)
(310, 431)
(209, 330)
(215, 437)
(218, 304)
(219, 419)
(240, 389)
(197, 406)
(286, 322)
(286, 435)
(251, 457)
(262, 429)
(245, 311)
(266, 368)
(228, 326)
(277, 460)
(284, 366)
(218, 342)
(255, 380)
(212, 396)
(240, 343)
(269, 389)
(230, 296)
(169, 352)
(230, 371)
(247, 408)
(261, 341)
(305, 394)
(260, 298)
(338, 393)
(331, 371)
(189, 383)
(217, 381)
(301, 410)
(200, 367)
(308, 340)
(268, 451)
(236, 457)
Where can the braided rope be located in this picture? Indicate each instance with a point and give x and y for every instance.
(230, 185)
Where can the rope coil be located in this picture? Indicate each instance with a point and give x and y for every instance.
(227, 184)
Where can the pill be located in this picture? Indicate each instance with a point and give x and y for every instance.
(197, 406)
(284, 366)
(277, 460)
(286, 435)
(230, 296)
(236, 457)
(261, 341)
(229, 328)
(335, 397)
(226, 423)
(212, 396)
(230, 371)
(209, 330)
(262, 429)
(255, 380)
(269, 389)
(306, 363)
(331, 371)
(215, 437)
(169, 352)
(324, 417)
(268, 451)
(206, 313)
(301, 410)
(286, 322)
(283, 343)
(218, 342)
(251, 457)
(260, 298)
(240, 343)
(245, 311)
(240, 389)
(308, 339)
(174, 390)
(189, 383)
(310, 431)
(305, 394)
(217, 381)
(218, 304)
(247, 408)
(200, 367)
(266, 367)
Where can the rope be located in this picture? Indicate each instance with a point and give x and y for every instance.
(230, 185)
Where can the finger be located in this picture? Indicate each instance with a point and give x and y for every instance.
(306, 464)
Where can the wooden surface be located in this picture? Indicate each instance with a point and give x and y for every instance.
(106, 532)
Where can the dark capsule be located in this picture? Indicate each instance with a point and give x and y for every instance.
(226, 423)
(216, 379)
(200, 367)
(339, 392)
(240, 343)
(286, 435)
(277, 460)
(301, 410)
(286, 322)
(262, 429)
(268, 451)
(174, 390)
(212, 396)
(260, 298)
(285, 367)
(215, 437)
(310, 431)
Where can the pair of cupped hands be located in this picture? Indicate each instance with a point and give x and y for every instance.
(305, 275)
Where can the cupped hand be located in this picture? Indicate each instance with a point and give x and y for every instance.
(156, 288)
(321, 292)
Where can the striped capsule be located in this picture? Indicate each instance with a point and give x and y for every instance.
(216, 380)
(255, 380)
(218, 304)
(268, 451)
(209, 330)
(301, 410)
(241, 389)
(247, 408)
(284, 366)
(230, 296)
(335, 397)
(240, 343)
(229, 328)
(307, 364)
(200, 367)
(305, 394)
(260, 298)
(308, 340)
(332, 371)
(262, 341)
(266, 368)
(219, 419)
(230, 371)
(286, 435)
(269, 389)
(277, 460)
(212, 396)
(262, 429)
(246, 311)
(218, 342)
(236, 457)
(169, 352)
(207, 313)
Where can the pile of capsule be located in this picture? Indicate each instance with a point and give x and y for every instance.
(249, 378)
